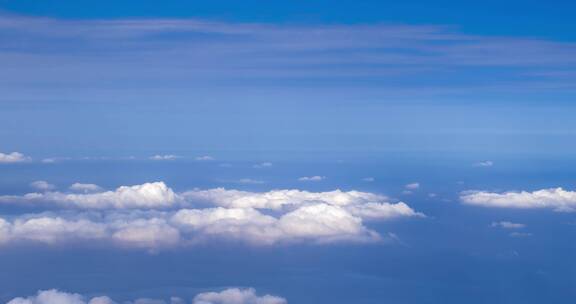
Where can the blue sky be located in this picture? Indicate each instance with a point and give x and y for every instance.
(287, 152)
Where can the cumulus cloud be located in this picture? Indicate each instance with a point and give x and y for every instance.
(237, 296)
(42, 185)
(228, 296)
(85, 188)
(315, 178)
(14, 157)
(148, 195)
(507, 225)
(556, 199)
(162, 218)
(164, 157)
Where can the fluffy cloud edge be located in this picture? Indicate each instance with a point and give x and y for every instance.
(14, 157)
(227, 296)
(557, 199)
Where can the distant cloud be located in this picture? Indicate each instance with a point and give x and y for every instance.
(305, 52)
(412, 186)
(507, 225)
(168, 219)
(236, 296)
(315, 178)
(164, 157)
(369, 179)
(14, 157)
(250, 181)
(205, 158)
(263, 165)
(227, 296)
(42, 185)
(556, 199)
(486, 163)
(79, 187)
(148, 195)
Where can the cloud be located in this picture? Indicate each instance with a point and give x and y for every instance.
(237, 296)
(227, 296)
(486, 163)
(412, 186)
(369, 179)
(263, 165)
(204, 158)
(507, 225)
(152, 216)
(14, 157)
(148, 195)
(80, 187)
(164, 157)
(556, 199)
(315, 178)
(250, 181)
(42, 185)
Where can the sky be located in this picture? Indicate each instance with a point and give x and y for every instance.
(267, 152)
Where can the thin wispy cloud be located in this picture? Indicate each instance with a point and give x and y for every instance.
(315, 178)
(486, 163)
(224, 51)
(164, 157)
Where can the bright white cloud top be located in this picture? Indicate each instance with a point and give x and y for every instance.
(14, 157)
(228, 296)
(556, 199)
(148, 195)
(153, 216)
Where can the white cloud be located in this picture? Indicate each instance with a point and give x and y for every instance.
(14, 157)
(315, 178)
(263, 165)
(237, 296)
(412, 186)
(369, 179)
(228, 296)
(507, 225)
(42, 185)
(85, 188)
(164, 157)
(277, 199)
(486, 163)
(556, 199)
(148, 195)
(298, 216)
(204, 158)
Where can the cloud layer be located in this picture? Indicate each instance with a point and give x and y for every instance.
(153, 216)
(556, 199)
(228, 296)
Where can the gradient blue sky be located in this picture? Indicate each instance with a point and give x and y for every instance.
(454, 108)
